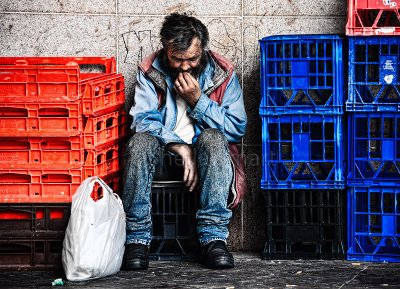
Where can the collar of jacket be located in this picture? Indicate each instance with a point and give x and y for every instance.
(153, 68)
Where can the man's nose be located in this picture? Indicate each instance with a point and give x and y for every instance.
(185, 66)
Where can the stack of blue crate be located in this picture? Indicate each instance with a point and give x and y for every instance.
(302, 144)
(373, 180)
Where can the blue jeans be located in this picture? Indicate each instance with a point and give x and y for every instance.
(144, 161)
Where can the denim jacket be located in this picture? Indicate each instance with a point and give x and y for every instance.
(158, 118)
(220, 106)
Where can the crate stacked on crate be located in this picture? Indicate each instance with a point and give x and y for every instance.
(373, 107)
(173, 214)
(61, 121)
(302, 154)
(373, 17)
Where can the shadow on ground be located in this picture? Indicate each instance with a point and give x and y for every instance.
(250, 272)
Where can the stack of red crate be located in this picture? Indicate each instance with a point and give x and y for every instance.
(62, 120)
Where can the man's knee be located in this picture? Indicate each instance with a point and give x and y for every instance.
(211, 137)
(142, 142)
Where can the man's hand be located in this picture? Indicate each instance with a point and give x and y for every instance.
(188, 88)
(190, 176)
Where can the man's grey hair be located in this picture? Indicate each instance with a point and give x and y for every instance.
(179, 30)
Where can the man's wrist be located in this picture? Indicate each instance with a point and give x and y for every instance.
(194, 101)
(199, 109)
(176, 148)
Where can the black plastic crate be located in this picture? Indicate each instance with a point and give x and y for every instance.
(304, 224)
(174, 222)
(30, 254)
(34, 221)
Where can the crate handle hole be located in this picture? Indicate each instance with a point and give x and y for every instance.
(53, 112)
(98, 126)
(56, 145)
(56, 178)
(13, 144)
(107, 89)
(13, 112)
(109, 122)
(14, 178)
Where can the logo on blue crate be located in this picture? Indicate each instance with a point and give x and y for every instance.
(388, 69)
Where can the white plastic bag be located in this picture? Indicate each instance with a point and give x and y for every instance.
(94, 240)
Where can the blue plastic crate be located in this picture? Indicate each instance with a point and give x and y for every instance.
(374, 73)
(374, 149)
(301, 74)
(373, 224)
(302, 152)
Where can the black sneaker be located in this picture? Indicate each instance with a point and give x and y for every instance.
(136, 257)
(215, 255)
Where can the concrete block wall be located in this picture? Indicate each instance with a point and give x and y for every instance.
(128, 29)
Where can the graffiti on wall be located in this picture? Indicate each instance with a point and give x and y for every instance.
(139, 43)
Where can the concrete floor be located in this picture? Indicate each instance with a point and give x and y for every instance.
(250, 272)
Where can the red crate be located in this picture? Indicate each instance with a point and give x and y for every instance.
(48, 79)
(107, 64)
(39, 186)
(29, 254)
(40, 84)
(40, 120)
(103, 95)
(102, 129)
(34, 220)
(114, 181)
(41, 152)
(103, 161)
(373, 17)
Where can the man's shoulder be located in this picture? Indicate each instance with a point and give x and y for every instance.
(221, 60)
(146, 64)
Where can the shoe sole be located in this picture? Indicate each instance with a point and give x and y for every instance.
(221, 263)
(136, 265)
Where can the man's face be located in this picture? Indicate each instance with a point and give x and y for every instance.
(186, 61)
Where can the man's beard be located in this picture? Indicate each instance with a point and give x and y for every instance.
(195, 72)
